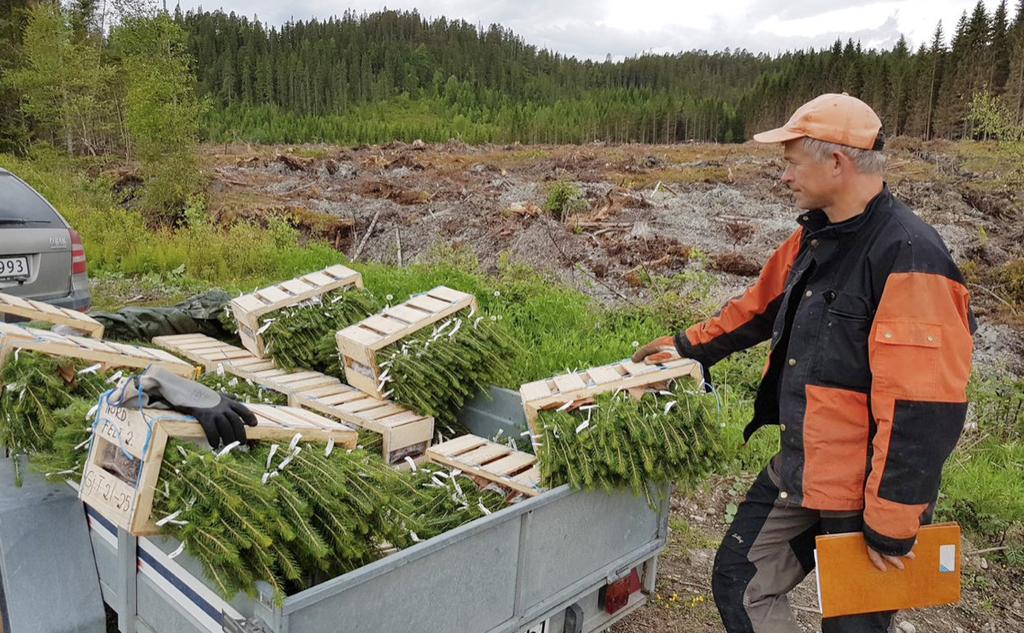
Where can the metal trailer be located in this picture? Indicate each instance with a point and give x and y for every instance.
(538, 566)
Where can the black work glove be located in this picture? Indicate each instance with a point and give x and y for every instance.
(223, 422)
(222, 418)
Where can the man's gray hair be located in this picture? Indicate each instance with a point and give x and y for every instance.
(865, 160)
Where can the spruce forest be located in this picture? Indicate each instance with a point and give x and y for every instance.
(396, 75)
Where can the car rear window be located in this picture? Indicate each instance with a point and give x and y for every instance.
(19, 202)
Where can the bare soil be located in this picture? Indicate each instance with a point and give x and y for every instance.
(646, 210)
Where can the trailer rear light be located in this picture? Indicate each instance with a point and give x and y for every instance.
(616, 595)
(78, 264)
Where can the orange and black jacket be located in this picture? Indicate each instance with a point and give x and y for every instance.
(870, 328)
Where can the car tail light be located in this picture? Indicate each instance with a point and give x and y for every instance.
(78, 265)
(616, 595)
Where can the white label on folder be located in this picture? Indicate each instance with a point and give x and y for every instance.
(947, 559)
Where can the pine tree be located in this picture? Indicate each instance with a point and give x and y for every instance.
(1015, 81)
(936, 53)
(1000, 50)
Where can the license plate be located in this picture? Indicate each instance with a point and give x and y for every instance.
(13, 267)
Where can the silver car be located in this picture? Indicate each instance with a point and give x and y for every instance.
(41, 256)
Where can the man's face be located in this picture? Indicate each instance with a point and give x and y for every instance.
(811, 181)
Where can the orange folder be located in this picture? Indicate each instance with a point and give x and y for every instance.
(848, 583)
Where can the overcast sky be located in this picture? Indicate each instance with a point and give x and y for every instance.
(593, 29)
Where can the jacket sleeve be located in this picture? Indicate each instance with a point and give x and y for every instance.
(745, 320)
(919, 350)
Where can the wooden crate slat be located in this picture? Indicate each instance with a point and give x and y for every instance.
(46, 342)
(602, 375)
(485, 454)
(565, 388)
(326, 390)
(144, 434)
(383, 324)
(569, 382)
(81, 341)
(340, 272)
(248, 309)
(273, 294)
(458, 445)
(511, 464)
(297, 286)
(250, 303)
(46, 308)
(387, 410)
(317, 279)
(454, 454)
(7, 300)
(534, 390)
(446, 294)
(312, 382)
(427, 303)
(530, 480)
(42, 311)
(361, 335)
(299, 376)
(637, 369)
(360, 405)
(407, 314)
(253, 364)
(342, 398)
(399, 419)
(269, 374)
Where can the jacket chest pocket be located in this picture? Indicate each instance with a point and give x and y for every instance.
(844, 349)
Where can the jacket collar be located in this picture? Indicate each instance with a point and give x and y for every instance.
(816, 221)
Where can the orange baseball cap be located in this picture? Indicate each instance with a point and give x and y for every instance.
(834, 118)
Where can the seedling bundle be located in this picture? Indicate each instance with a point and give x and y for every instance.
(303, 336)
(430, 353)
(254, 312)
(619, 441)
(625, 425)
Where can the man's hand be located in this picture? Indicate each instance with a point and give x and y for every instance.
(657, 346)
(880, 560)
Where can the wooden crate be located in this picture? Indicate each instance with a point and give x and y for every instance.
(359, 343)
(249, 308)
(404, 433)
(554, 392)
(107, 353)
(491, 461)
(136, 440)
(39, 311)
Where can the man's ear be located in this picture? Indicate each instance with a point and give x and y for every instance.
(839, 162)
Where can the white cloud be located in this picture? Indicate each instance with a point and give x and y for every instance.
(629, 27)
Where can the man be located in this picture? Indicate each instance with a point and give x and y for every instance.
(870, 330)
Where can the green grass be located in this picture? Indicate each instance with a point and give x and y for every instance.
(117, 240)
